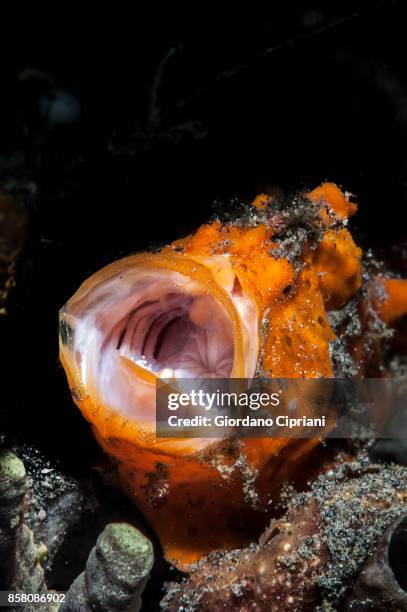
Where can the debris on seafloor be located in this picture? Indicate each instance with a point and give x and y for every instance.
(309, 559)
(56, 503)
(116, 573)
(118, 566)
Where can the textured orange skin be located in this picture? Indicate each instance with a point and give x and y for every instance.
(394, 305)
(192, 508)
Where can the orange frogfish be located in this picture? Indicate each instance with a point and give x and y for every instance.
(241, 298)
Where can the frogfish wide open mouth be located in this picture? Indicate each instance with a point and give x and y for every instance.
(243, 298)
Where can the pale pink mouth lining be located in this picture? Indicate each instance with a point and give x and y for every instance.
(159, 334)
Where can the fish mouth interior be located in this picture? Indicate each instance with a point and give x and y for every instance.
(173, 333)
(130, 324)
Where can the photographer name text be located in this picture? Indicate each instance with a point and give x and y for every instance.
(219, 401)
